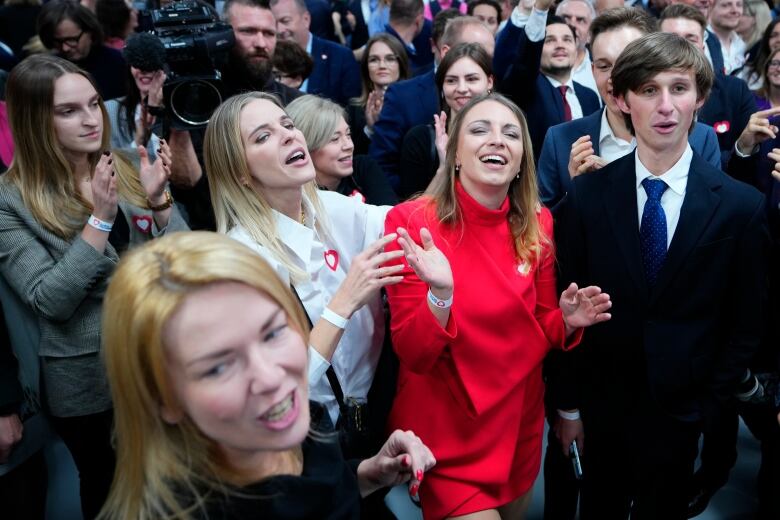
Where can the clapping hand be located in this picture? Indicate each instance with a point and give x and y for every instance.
(758, 130)
(403, 458)
(440, 125)
(584, 307)
(154, 176)
(583, 158)
(104, 195)
(428, 262)
(376, 99)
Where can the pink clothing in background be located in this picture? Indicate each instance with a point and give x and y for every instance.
(6, 143)
(445, 4)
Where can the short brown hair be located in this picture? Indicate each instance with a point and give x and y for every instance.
(683, 11)
(290, 59)
(659, 52)
(619, 17)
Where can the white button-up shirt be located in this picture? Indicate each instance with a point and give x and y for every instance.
(612, 147)
(676, 179)
(352, 226)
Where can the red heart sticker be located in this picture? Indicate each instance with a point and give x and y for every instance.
(143, 223)
(721, 127)
(358, 195)
(332, 259)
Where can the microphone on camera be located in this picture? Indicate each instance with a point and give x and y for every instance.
(145, 52)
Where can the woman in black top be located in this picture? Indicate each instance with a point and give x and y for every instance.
(329, 140)
(464, 72)
(205, 349)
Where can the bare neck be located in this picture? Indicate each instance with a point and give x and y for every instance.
(660, 161)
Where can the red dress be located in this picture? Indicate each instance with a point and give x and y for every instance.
(473, 392)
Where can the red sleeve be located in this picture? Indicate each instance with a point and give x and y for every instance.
(547, 312)
(418, 338)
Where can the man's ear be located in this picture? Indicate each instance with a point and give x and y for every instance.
(307, 20)
(622, 104)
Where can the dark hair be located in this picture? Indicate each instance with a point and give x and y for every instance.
(260, 4)
(619, 17)
(403, 64)
(54, 12)
(683, 11)
(405, 11)
(440, 22)
(473, 51)
(654, 53)
(491, 3)
(555, 19)
(760, 60)
(292, 60)
(113, 15)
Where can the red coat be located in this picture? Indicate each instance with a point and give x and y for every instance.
(473, 392)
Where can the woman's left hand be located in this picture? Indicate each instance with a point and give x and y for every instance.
(440, 125)
(154, 176)
(584, 307)
(403, 458)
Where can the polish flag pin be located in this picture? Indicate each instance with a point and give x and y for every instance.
(721, 127)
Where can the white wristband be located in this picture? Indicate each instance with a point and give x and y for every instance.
(569, 416)
(100, 225)
(336, 320)
(438, 302)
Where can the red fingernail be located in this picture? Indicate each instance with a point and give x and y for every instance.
(110, 161)
(106, 152)
(420, 475)
(413, 490)
(405, 461)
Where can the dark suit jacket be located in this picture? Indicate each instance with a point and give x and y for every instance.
(407, 104)
(531, 90)
(336, 74)
(321, 21)
(360, 33)
(697, 329)
(421, 58)
(728, 110)
(552, 170)
(716, 53)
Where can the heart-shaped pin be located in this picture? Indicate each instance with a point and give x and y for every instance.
(143, 223)
(721, 127)
(332, 259)
(358, 195)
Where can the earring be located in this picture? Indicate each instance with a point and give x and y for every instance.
(457, 168)
(517, 176)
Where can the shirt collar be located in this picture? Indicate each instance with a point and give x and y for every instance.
(555, 83)
(308, 45)
(607, 133)
(675, 177)
(298, 237)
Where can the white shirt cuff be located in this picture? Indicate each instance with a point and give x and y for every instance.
(744, 155)
(318, 365)
(518, 18)
(536, 26)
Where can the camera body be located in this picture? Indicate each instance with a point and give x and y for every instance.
(197, 45)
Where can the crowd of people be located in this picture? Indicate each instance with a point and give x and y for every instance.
(410, 233)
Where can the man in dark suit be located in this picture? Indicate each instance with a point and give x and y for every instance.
(713, 50)
(539, 79)
(586, 144)
(357, 30)
(681, 248)
(731, 103)
(408, 24)
(336, 74)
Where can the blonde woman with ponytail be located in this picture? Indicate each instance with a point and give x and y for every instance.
(67, 207)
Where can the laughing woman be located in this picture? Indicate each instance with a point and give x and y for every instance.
(66, 209)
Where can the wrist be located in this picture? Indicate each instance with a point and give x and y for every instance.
(161, 205)
(342, 308)
(439, 301)
(569, 415)
(442, 293)
(334, 318)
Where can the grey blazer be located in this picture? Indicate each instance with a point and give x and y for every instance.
(64, 282)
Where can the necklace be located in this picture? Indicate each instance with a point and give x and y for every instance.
(303, 217)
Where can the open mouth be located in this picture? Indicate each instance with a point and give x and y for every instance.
(280, 410)
(347, 159)
(665, 127)
(297, 155)
(493, 159)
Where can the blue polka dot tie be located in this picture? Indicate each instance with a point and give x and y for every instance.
(652, 231)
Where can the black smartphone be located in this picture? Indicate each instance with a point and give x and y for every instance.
(574, 455)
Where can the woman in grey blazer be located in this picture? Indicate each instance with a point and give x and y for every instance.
(67, 206)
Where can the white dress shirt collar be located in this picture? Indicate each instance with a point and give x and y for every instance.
(675, 177)
(612, 147)
(571, 95)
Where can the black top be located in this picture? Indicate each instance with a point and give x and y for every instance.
(356, 117)
(369, 182)
(108, 69)
(326, 490)
(17, 26)
(419, 161)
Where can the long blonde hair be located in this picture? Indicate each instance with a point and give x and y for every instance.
(158, 462)
(524, 206)
(39, 168)
(234, 200)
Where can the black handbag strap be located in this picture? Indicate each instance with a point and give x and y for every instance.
(335, 386)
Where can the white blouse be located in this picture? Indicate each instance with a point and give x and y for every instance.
(353, 226)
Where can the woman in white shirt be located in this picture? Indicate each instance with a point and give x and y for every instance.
(328, 247)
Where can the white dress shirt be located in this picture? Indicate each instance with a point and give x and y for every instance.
(352, 226)
(583, 74)
(676, 179)
(305, 85)
(535, 23)
(734, 56)
(612, 147)
(571, 96)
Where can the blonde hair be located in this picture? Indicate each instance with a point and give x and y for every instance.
(39, 168)
(234, 200)
(158, 462)
(529, 239)
(317, 118)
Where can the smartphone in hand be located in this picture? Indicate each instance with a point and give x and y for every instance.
(574, 455)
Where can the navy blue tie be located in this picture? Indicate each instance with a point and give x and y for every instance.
(652, 231)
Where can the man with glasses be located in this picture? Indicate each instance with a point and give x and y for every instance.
(74, 33)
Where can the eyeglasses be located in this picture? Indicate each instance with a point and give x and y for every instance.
(774, 64)
(390, 59)
(70, 41)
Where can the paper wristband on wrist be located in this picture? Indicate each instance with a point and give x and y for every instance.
(438, 302)
(569, 416)
(334, 319)
(100, 225)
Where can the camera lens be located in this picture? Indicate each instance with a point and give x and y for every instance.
(194, 101)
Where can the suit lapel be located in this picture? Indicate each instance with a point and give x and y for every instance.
(317, 77)
(555, 97)
(698, 207)
(620, 203)
(594, 129)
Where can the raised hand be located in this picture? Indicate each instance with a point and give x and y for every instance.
(428, 262)
(403, 458)
(583, 158)
(774, 155)
(103, 185)
(154, 176)
(758, 130)
(376, 99)
(366, 277)
(440, 125)
(584, 307)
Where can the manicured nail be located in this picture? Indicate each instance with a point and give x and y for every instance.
(420, 475)
(159, 150)
(165, 164)
(112, 173)
(110, 161)
(106, 152)
(413, 490)
(405, 461)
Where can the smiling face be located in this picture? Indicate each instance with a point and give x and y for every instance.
(291, 22)
(488, 15)
(78, 118)
(559, 50)
(489, 148)
(383, 67)
(725, 14)
(334, 160)
(276, 151)
(143, 78)
(773, 69)
(464, 80)
(689, 29)
(605, 50)
(774, 38)
(662, 110)
(238, 372)
(578, 15)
